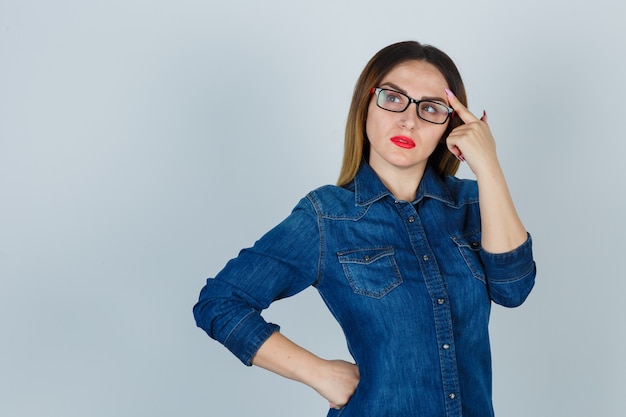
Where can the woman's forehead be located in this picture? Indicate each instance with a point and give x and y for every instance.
(415, 75)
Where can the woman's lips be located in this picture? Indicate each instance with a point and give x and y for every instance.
(403, 142)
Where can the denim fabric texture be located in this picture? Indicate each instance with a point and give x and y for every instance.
(408, 282)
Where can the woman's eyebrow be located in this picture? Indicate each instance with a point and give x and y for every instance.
(438, 99)
(403, 91)
(395, 87)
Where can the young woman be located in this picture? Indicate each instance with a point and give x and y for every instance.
(407, 257)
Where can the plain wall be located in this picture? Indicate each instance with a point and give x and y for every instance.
(143, 143)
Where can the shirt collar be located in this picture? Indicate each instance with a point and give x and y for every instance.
(368, 188)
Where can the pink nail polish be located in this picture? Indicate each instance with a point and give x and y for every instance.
(449, 92)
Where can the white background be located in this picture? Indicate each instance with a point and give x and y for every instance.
(143, 143)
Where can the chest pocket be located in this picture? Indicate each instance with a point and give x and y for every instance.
(469, 247)
(371, 272)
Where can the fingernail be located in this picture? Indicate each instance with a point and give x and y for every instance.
(449, 92)
(460, 158)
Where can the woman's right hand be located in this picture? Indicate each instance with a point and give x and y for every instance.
(336, 381)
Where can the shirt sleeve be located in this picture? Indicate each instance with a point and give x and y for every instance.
(510, 275)
(280, 264)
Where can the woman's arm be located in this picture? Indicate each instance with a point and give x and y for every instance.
(279, 265)
(502, 230)
(335, 380)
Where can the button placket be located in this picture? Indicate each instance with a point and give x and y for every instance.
(442, 314)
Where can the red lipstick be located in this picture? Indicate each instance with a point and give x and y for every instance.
(403, 142)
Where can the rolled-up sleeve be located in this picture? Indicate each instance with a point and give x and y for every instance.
(510, 275)
(280, 264)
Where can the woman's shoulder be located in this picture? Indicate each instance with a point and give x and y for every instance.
(462, 190)
(334, 201)
(334, 191)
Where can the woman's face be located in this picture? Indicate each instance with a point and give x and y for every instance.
(403, 141)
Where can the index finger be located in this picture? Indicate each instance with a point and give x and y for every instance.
(459, 108)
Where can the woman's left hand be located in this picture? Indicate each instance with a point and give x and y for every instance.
(472, 142)
(502, 230)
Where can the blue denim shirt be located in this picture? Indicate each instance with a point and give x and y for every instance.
(408, 282)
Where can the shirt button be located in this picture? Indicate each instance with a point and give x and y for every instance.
(446, 346)
(366, 258)
(425, 257)
(440, 301)
(411, 219)
(451, 396)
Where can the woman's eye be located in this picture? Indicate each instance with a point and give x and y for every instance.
(394, 98)
(432, 108)
(428, 108)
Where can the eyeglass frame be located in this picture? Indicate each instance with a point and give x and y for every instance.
(376, 91)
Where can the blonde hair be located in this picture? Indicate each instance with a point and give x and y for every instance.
(356, 144)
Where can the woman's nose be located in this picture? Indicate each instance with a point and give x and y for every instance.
(409, 118)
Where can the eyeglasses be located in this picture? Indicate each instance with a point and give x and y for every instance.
(428, 110)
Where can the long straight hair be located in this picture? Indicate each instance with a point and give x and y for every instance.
(356, 144)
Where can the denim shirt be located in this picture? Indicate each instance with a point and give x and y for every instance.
(408, 282)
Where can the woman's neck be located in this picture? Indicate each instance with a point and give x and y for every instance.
(402, 183)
